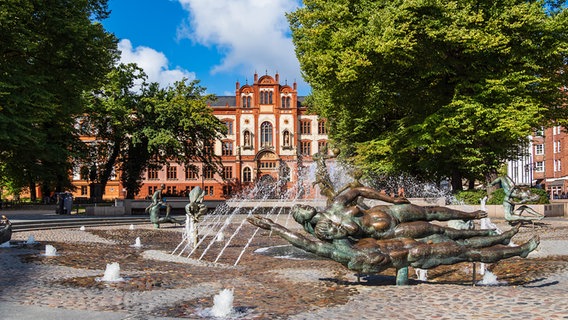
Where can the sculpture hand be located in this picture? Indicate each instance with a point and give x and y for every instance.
(261, 222)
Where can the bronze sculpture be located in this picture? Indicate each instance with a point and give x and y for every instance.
(194, 210)
(399, 235)
(370, 255)
(5, 229)
(154, 208)
(516, 195)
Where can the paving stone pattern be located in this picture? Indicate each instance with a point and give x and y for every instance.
(159, 285)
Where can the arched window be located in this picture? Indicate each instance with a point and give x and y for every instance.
(286, 102)
(247, 102)
(266, 134)
(247, 175)
(270, 97)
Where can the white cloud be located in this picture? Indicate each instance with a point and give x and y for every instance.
(154, 64)
(251, 35)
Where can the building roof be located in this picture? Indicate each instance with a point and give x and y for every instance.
(230, 101)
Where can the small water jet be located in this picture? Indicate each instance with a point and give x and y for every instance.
(222, 303)
(131, 227)
(31, 240)
(137, 243)
(489, 279)
(50, 251)
(112, 273)
(82, 228)
(421, 274)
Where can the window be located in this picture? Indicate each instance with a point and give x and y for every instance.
(229, 125)
(208, 147)
(268, 164)
(152, 189)
(153, 174)
(247, 175)
(227, 173)
(557, 146)
(266, 97)
(322, 145)
(305, 148)
(227, 190)
(191, 173)
(247, 102)
(322, 129)
(83, 190)
(286, 102)
(208, 190)
(171, 173)
(305, 127)
(227, 148)
(266, 134)
(539, 166)
(556, 130)
(208, 173)
(539, 149)
(557, 165)
(84, 173)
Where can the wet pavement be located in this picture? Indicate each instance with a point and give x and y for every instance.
(159, 285)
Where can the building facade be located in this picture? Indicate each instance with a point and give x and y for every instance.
(270, 137)
(545, 164)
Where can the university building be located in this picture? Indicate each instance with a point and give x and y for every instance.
(270, 137)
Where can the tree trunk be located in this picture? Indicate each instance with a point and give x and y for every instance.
(456, 181)
(33, 194)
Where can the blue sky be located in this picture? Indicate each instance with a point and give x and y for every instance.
(217, 42)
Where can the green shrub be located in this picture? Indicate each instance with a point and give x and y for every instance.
(471, 197)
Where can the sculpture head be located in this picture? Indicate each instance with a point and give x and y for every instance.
(303, 213)
(326, 229)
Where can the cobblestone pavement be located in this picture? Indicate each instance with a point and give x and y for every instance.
(159, 285)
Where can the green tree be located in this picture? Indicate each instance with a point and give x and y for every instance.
(50, 52)
(433, 88)
(147, 128)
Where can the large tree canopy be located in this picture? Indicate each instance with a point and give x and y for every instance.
(433, 88)
(147, 128)
(50, 52)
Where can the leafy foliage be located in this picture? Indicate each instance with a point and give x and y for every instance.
(148, 128)
(433, 88)
(50, 52)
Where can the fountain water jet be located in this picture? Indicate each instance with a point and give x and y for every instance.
(137, 243)
(112, 273)
(223, 303)
(50, 251)
(31, 240)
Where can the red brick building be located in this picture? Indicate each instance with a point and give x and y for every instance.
(269, 134)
